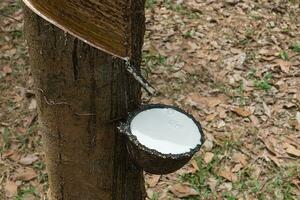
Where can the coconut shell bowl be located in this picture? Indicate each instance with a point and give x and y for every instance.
(162, 138)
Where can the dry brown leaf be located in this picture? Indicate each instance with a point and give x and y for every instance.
(221, 124)
(18, 98)
(267, 109)
(193, 46)
(254, 120)
(222, 112)
(29, 159)
(194, 164)
(266, 52)
(28, 197)
(208, 157)
(208, 145)
(276, 160)
(7, 69)
(196, 99)
(298, 120)
(211, 117)
(267, 156)
(284, 65)
(257, 170)
(270, 144)
(212, 182)
(7, 154)
(26, 174)
(240, 158)
(15, 157)
(11, 188)
(150, 193)
(236, 61)
(232, 2)
(226, 173)
(292, 140)
(296, 182)
(226, 186)
(11, 52)
(183, 190)
(298, 97)
(152, 180)
(235, 50)
(243, 111)
(289, 105)
(213, 57)
(237, 168)
(193, 167)
(290, 149)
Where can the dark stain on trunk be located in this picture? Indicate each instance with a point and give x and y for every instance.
(74, 60)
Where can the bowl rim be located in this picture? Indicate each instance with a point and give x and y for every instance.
(126, 129)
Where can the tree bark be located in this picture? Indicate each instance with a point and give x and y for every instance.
(82, 93)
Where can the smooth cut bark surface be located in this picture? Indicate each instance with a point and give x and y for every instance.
(82, 93)
(104, 24)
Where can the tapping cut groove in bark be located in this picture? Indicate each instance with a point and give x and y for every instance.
(74, 60)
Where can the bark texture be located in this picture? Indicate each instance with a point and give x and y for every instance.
(82, 93)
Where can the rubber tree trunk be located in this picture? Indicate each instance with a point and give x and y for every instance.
(82, 93)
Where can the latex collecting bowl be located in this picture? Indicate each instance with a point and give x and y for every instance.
(161, 138)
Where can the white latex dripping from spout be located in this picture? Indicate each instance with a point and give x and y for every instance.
(166, 130)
